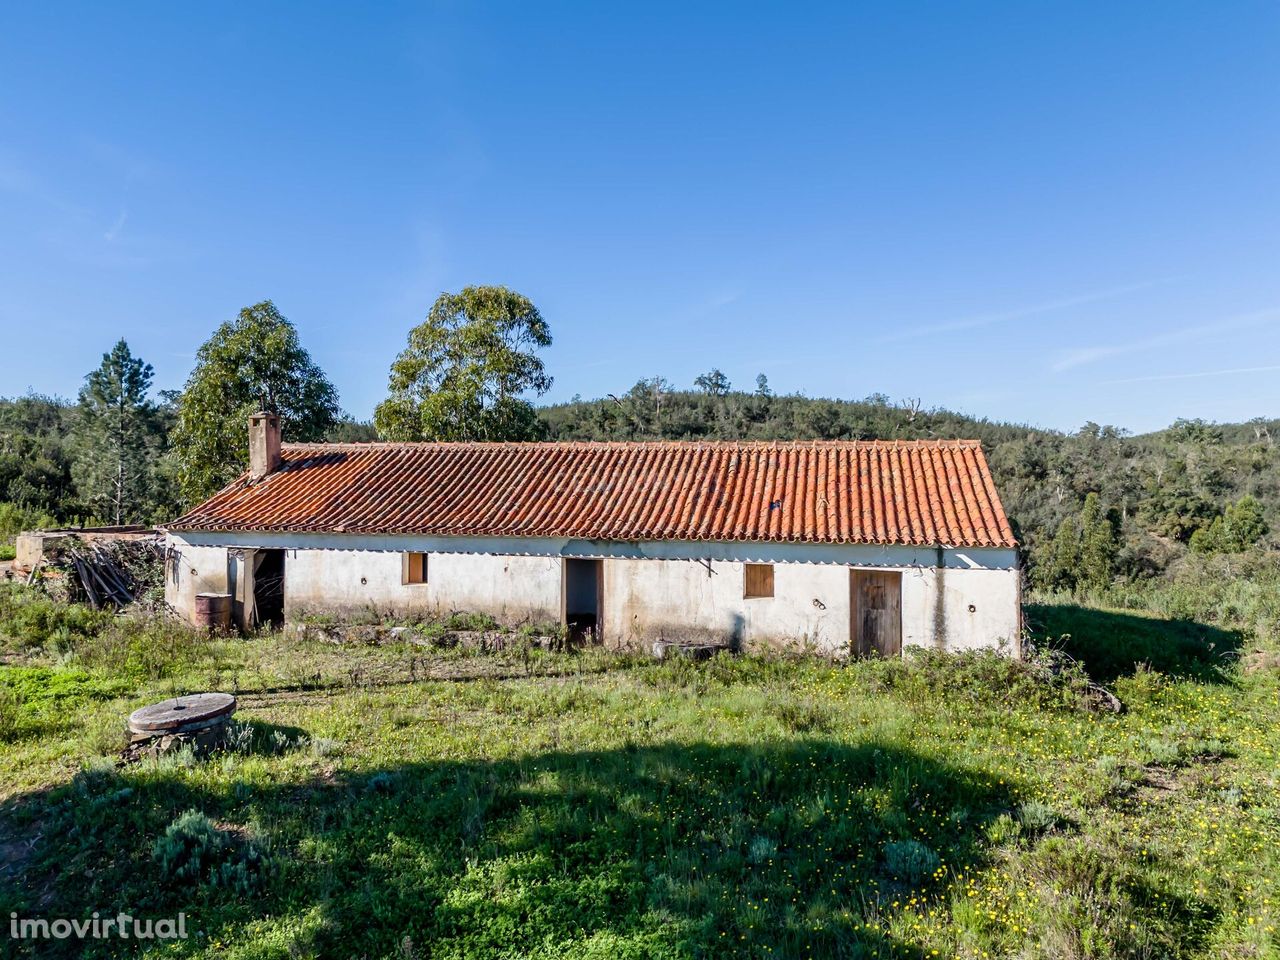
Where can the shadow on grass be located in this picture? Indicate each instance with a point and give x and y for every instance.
(669, 850)
(1112, 644)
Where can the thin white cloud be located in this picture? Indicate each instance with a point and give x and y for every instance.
(1197, 375)
(114, 231)
(1080, 356)
(1021, 313)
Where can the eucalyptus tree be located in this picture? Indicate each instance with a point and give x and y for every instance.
(254, 362)
(467, 370)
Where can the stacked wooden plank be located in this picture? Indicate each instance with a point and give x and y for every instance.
(110, 575)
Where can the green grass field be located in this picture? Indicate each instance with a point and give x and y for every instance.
(429, 801)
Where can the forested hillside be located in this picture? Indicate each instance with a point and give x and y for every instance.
(1192, 488)
(1196, 486)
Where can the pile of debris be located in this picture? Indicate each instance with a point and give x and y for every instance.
(109, 574)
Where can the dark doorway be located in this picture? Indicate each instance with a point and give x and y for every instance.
(268, 587)
(875, 603)
(583, 593)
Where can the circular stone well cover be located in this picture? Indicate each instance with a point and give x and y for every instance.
(181, 712)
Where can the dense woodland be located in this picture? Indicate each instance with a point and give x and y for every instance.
(1192, 488)
(1097, 510)
(1160, 494)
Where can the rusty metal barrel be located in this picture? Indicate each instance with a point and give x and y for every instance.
(213, 611)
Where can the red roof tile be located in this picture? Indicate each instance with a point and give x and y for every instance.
(877, 492)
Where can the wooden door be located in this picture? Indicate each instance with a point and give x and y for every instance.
(875, 603)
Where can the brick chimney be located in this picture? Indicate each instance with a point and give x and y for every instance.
(264, 444)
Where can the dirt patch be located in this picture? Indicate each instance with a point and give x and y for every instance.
(1159, 780)
(16, 849)
(1258, 660)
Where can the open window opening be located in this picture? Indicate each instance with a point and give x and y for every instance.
(583, 596)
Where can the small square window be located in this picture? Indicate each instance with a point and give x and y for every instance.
(757, 580)
(414, 568)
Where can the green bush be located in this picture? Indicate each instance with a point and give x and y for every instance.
(31, 618)
(910, 860)
(470, 621)
(1228, 591)
(143, 645)
(1045, 680)
(136, 644)
(191, 848)
(14, 519)
(10, 714)
(1036, 817)
(7, 552)
(194, 849)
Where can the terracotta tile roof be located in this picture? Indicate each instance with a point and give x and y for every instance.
(876, 492)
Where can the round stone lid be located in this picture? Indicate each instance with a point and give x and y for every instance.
(181, 711)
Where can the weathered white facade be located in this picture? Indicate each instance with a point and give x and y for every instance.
(947, 598)
(834, 547)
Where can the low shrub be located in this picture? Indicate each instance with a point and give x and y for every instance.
(1162, 753)
(147, 646)
(1045, 679)
(255, 738)
(191, 848)
(10, 714)
(910, 860)
(470, 621)
(381, 782)
(31, 618)
(195, 850)
(1036, 817)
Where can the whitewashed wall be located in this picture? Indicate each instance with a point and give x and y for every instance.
(511, 589)
(936, 602)
(645, 598)
(191, 570)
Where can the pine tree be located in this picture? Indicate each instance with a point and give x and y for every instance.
(117, 438)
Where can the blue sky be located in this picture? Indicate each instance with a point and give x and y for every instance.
(1042, 212)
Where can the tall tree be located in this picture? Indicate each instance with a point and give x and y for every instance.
(1059, 568)
(1099, 544)
(466, 369)
(254, 362)
(1240, 526)
(117, 438)
(35, 455)
(713, 383)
